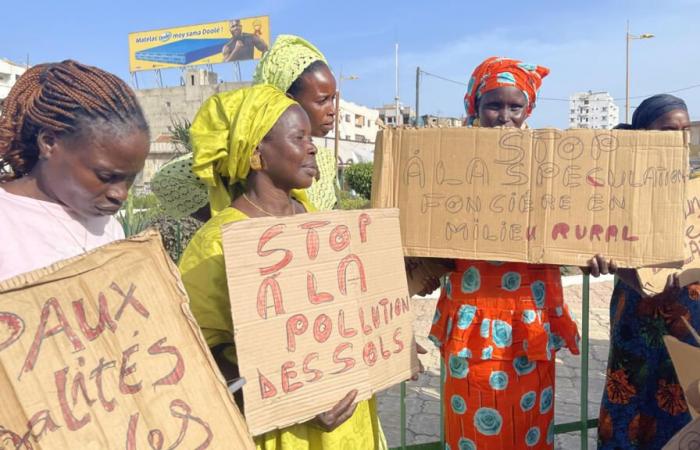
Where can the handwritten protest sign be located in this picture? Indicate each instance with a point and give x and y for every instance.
(653, 280)
(101, 352)
(320, 307)
(541, 196)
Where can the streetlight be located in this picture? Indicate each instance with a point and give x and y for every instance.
(628, 38)
(337, 111)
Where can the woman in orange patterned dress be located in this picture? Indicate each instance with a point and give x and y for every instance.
(499, 325)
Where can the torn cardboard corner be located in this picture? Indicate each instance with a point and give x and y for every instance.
(653, 280)
(320, 307)
(112, 331)
(538, 196)
(686, 362)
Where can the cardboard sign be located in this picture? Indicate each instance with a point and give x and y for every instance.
(539, 196)
(320, 307)
(653, 280)
(101, 352)
(686, 362)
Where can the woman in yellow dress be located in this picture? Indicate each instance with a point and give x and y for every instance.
(257, 142)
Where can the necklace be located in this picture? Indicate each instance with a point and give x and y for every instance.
(262, 210)
(83, 246)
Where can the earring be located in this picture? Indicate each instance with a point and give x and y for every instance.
(255, 161)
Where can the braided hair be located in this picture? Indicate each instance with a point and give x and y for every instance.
(65, 98)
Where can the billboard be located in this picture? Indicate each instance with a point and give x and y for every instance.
(209, 43)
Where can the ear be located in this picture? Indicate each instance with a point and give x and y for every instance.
(47, 142)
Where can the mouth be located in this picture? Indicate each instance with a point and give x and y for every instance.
(107, 211)
(311, 169)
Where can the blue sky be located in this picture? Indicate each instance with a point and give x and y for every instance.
(583, 43)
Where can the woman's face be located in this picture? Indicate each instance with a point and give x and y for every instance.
(287, 151)
(502, 107)
(675, 120)
(317, 97)
(91, 172)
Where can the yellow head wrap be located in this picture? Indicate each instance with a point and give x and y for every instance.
(225, 132)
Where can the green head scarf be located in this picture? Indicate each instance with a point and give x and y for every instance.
(285, 61)
(179, 190)
(226, 131)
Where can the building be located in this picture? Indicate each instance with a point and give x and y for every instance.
(445, 122)
(356, 123)
(593, 110)
(387, 114)
(165, 107)
(9, 74)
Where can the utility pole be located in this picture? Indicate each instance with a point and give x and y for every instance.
(418, 96)
(398, 108)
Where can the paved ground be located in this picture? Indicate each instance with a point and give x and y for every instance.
(423, 396)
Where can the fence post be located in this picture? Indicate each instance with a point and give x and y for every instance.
(585, 295)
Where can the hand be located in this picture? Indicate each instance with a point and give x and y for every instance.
(598, 266)
(421, 351)
(342, 411)
(673, 283)
(430, 285)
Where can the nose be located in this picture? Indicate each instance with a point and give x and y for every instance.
(312, 147)
(503, 116)
(118, 192)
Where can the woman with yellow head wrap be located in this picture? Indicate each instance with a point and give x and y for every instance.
(242, 144)
(298, 68)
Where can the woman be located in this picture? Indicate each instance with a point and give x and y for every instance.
(72, 140)
(498, 325)
(643, 405)
(298, 68)
(261, 138)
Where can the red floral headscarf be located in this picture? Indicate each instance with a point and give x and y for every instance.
(496, 72)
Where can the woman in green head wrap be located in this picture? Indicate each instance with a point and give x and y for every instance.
(253, 149)
(298, 68)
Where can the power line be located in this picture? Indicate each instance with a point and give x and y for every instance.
(553, 99)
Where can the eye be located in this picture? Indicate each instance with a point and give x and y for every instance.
(104, 177)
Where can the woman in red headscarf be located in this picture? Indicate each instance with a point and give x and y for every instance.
(499, 325)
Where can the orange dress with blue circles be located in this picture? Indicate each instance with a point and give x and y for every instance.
(498, 327)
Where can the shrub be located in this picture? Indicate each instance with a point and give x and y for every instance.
(359, 178)
(346, 200)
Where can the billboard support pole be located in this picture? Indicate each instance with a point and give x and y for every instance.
(237, 71)
(134, 80)
(159, 78)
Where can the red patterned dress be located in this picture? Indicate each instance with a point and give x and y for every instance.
(498, 326)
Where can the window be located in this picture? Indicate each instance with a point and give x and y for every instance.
(347, 118)
(360, 138)
(348, 137)
(359, 121)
